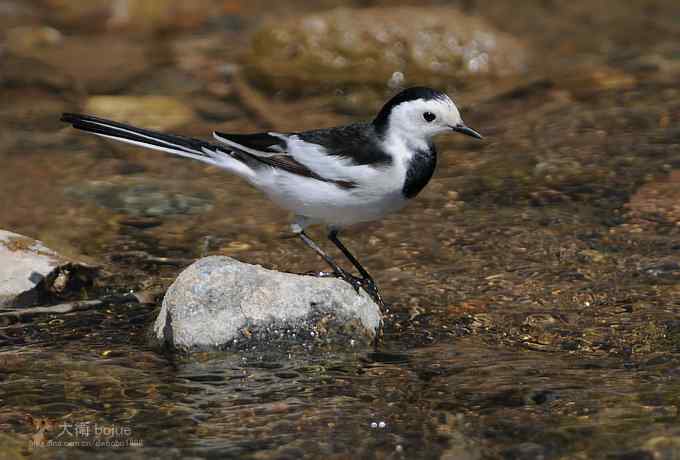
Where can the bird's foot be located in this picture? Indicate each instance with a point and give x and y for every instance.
(372, 289)
(367, 284)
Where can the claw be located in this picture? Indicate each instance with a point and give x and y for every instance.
(367, 284)
(372, 290)
(351, 279)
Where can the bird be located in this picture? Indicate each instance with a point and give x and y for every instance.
(336, 176)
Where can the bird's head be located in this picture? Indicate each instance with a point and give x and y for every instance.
(420, 113)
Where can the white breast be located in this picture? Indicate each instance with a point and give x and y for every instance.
(378, 190)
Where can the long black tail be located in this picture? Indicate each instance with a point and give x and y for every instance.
(178, 145)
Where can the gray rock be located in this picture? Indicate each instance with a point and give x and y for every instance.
(219, 302)
(24, 263)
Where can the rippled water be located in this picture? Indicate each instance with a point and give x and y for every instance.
(532, 289)
(464, 400)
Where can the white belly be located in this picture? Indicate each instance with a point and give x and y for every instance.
(327, 203)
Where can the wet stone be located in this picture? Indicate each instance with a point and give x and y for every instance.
(221, 303)
(555, 170)
(657, 201)
(152, 112)
(541, 320)
(147, 16)
(27, 72)
(384, 47)
(663, 447)
(547, 196)
(24, 263)
(39, 113)
(15, 12)
(81, 59)
(26, 38)
(142, 199)
(669, 270)
(30, 272)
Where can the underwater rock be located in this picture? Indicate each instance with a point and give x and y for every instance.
(22, 40)
(80, 58)
(30, 272)
(142, 198)
(383, 46)
(664, 270)
(152, 112)
(221, 303)
(146, 16)
(662, 447)
(15, 13)
(657, 200)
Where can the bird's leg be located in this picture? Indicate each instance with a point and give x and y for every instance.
(337, 270)
(333, 236)
(367, 282)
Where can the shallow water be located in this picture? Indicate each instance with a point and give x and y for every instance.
(533, 296)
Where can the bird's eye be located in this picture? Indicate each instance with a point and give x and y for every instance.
(429, 116)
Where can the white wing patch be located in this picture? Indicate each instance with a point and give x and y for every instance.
(276, 150)
(332, 167)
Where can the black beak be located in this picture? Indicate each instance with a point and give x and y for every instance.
(467, 131)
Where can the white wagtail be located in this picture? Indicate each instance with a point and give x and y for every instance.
(334, 176)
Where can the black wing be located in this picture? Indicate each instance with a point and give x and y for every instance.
(271, 150)
(359, 142)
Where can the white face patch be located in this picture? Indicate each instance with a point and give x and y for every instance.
(420, 120)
